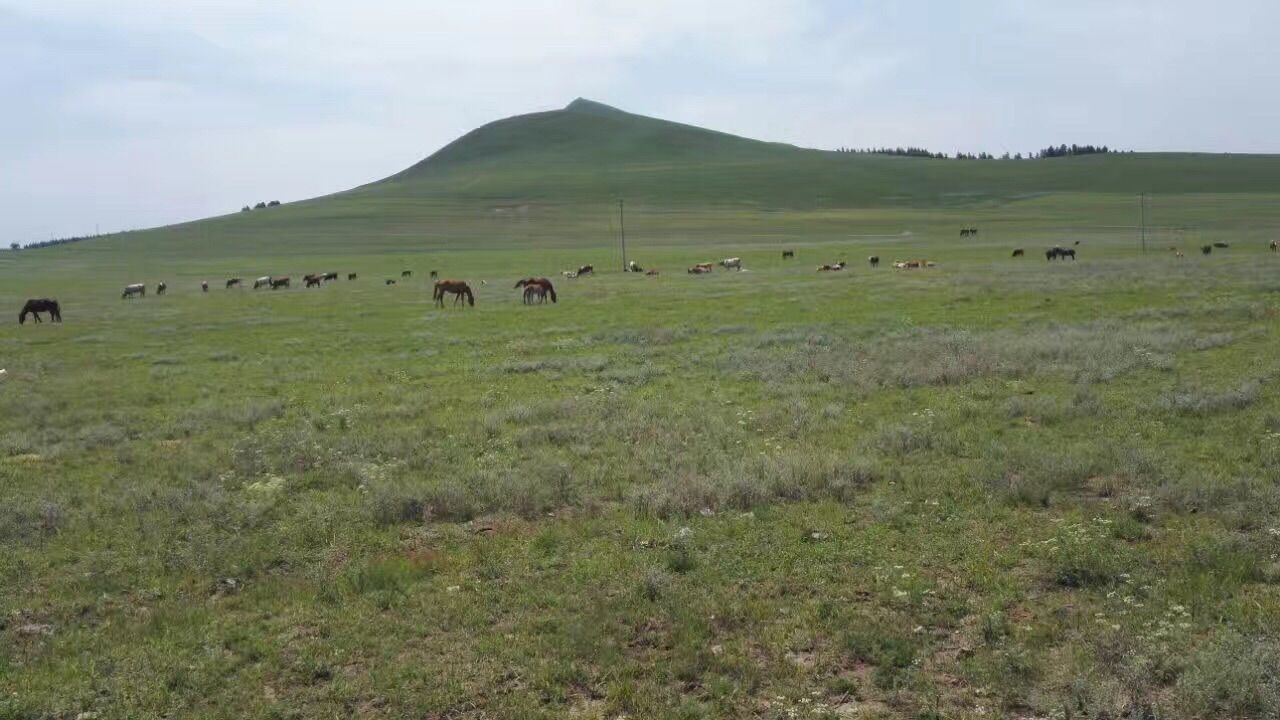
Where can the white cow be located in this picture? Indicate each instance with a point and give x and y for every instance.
(731, 263)
(134, 289)
(264, 281)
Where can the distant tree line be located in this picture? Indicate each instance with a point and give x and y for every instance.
(50, 242)
(260, 206)
(1049, 152)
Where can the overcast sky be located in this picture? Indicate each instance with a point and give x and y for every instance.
(133, 113)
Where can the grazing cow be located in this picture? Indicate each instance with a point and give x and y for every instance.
(406, 273)
(1274, 245)
(279, 282)
(329, 276)
(547, 288)
(1051, 254)
(651, 273)
(161, 288)
(1221, 244)
(233, 282)
(35, 306)
(874, 261)
(569, 274)
(1206, 249)
(390, 281)
(1067, 253)
(204, 286)
(311, 280)
(732, 263)
(264, 281)
(831, 268)
(351, 276)
(135, 289)
(788, 254)
(458, 288)
(699, 269)
(634, 266)
(1017, 252)
(586, 270)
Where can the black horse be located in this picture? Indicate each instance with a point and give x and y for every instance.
(35, 306)
(787, 254)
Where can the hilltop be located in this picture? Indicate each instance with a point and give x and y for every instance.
(590, 151)
(557, 172)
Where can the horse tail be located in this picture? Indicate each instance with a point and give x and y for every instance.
(551, 291)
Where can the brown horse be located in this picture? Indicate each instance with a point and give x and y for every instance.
(35, 306)
(534, 293)
(544, 283)
(458, 288)
(311, 280)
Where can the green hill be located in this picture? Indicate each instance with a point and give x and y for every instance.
(589, 151)
(550, 179)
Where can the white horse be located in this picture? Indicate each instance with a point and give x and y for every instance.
(134, 289)
(264, 281)
(732, 263)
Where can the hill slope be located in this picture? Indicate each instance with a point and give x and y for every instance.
(589, 151)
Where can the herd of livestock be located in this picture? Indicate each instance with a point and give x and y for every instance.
(537, 290)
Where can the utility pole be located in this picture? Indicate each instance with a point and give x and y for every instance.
(1142, 202)
(623, 228)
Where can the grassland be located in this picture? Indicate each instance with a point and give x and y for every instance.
(996, 488)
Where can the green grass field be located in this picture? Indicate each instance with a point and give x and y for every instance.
(994, 488)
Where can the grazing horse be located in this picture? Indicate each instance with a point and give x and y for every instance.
(788, 254)
(279, 282)
(264, 281)
(586, 270)
(874, 260)
(329, 276)
(406, 273)
(311, 280)
(351, 276)
(204, 286)
(233, 282)
(161, 288)
(533, 293)
(1017, 252)
(733, 263)
(1206, 249)
(1051, 254)
(458, 288)
(1067, 253)
(35, 306)
(548, 289)
(135, 289)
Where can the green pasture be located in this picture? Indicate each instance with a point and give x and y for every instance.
(994, 488)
